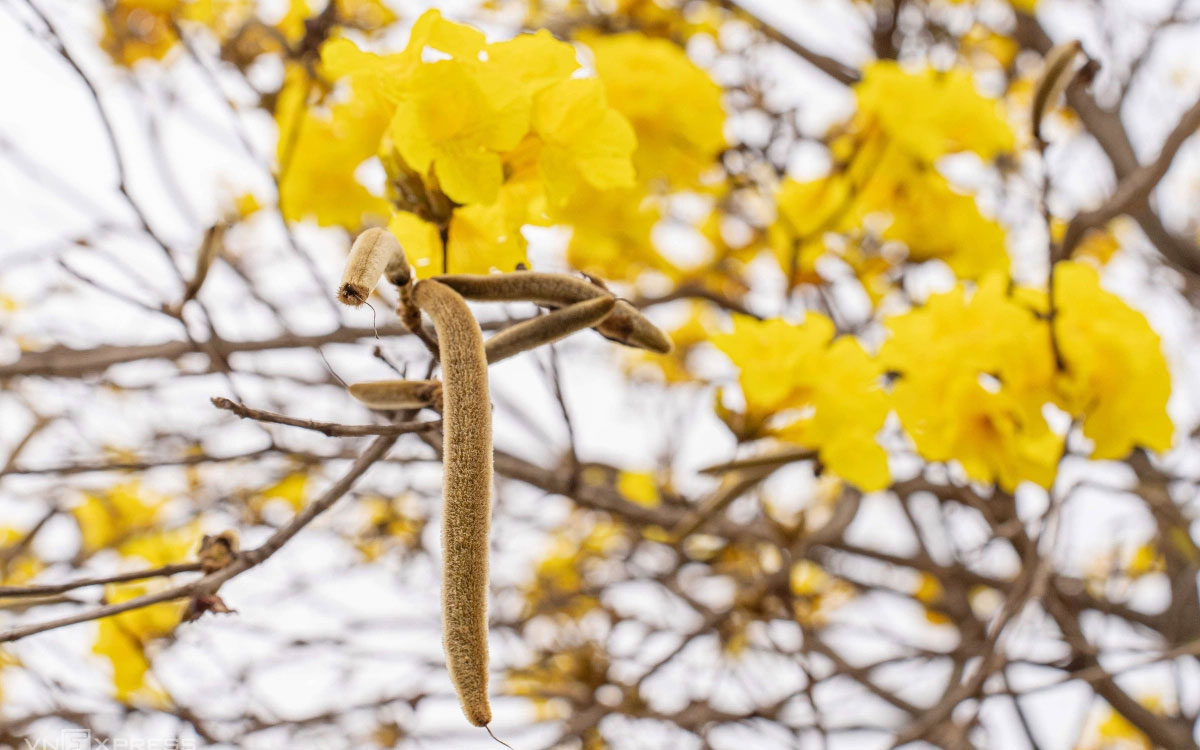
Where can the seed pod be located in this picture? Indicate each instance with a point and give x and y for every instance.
(371, 253)
(625, 325)
(1058, 69)
(544, 329)
(466, 494)
(398, 394)
(553, 289)
(213, 246)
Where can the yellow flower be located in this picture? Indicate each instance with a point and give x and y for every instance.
(992, 435)
(482, 239)
(164, 547)
(933, 220)
(998, 49)
(457, 118)
(116, 513)
(479, 238)
(292, 490)
(674, 106)
(139, 30)
(816, 206)
(365, 15)
(421, 242)
(1116, 377)
(123, 639)
(930, 113)
(849, 407)
(535, 60)
(973, 375)
(453, 115)
(585, 140)
(639, 487)
(882, 180)
(834, 387)
(774, 357)
(319, 153)
(929, 592)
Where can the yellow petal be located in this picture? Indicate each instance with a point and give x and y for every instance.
(421, 242)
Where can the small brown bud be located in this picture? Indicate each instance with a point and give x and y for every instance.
(218, 551)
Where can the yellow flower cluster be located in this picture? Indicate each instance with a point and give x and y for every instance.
(884, 174)
(479, 140)
(973, 371)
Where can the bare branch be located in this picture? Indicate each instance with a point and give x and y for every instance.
(1134, 189)
(63, 362)
(245, 561)
(328, 428)
(58, 588)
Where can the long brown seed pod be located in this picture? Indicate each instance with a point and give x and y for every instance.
(371, 253)
(547, 328)
(625, 325)
(1058, 69)
(398, 394)
(467, 463)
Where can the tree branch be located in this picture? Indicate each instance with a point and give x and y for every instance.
(835, 69)
(58, 588)
(331, 429)
(1136, 187)
(243, 562)
(64, 362)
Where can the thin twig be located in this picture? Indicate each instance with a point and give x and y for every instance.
(328, 428)
(58, 588)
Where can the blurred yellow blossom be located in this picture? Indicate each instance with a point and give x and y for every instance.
(1115, 376)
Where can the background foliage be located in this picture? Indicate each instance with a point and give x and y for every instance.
(920, 470)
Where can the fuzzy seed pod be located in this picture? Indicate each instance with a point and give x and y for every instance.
(625, 325)
(544, 329)
(1058, 70)
(372, 252)
(466, 494)
(398, 394)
